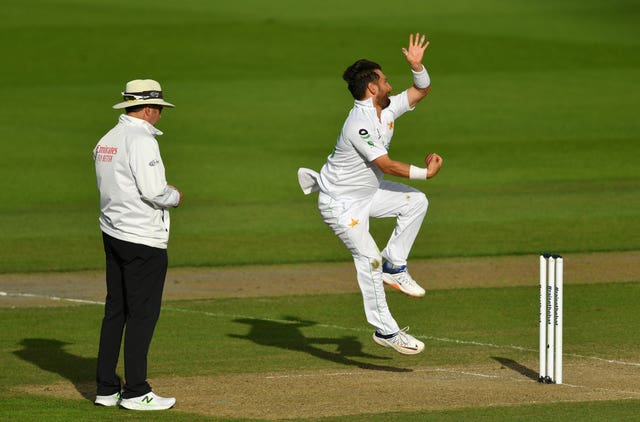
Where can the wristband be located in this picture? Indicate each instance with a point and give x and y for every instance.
(417, 173)
(421, 79)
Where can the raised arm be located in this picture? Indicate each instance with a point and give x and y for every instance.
(414, 54)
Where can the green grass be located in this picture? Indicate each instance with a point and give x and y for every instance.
(324, 332)
(533, 107)
(624, 410)
(27, 408)
(57, 410)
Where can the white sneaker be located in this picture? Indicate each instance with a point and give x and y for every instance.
(149, 401)
(402, 281)
(400, 341)
(111, 400)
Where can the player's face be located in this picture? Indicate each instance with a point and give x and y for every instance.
(384, 89)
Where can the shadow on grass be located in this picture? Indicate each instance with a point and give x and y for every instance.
(49, 355)
(287, 335)
(512, 364)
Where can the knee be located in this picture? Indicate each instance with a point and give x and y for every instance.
(422, 198)
(114, 308)
(371, 260)
(419, 202)
(376, 262)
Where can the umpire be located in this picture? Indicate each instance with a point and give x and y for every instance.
(134, 219)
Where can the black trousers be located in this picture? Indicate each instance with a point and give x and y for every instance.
(135, 280)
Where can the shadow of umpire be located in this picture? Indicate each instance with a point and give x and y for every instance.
(287, 335)
(49, 355)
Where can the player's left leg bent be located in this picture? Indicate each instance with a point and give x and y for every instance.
(409, 206)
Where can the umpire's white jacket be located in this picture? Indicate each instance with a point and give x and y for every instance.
(134, 195)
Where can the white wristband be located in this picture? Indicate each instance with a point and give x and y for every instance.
(421, 79)
(417, 173)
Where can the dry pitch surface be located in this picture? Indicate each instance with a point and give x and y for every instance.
(351, 391)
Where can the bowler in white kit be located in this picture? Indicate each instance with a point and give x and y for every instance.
(352, 189)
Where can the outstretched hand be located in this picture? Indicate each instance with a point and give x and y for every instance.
(415, 51)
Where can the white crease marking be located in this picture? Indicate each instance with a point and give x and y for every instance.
(337, 327)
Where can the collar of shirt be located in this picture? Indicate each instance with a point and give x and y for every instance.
(369, 109)
(368, 103)
(129, 120)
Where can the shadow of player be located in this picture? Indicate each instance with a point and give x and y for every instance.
(287, 335)
(49, 355)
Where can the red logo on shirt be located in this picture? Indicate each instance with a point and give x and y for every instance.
(105, 153)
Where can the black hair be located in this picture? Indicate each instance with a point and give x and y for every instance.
(136, 108)
(358, 76)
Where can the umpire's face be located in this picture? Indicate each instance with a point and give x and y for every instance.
(154, 113)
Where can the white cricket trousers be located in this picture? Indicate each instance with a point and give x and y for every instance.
(349, 220)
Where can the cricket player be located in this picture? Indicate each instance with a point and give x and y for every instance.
(352, 189)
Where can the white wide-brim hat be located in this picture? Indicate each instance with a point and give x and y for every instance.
(140, 92)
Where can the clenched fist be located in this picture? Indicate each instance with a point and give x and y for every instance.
(433, 162)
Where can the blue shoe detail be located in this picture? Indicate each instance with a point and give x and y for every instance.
(392, 269)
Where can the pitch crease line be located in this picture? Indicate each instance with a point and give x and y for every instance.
(62, 299)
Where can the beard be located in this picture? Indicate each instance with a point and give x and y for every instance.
(383, 102)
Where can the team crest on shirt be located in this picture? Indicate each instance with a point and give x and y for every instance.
(390, 125)
(364, 134)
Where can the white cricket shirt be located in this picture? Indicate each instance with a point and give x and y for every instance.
(349, 172)
(134, 195)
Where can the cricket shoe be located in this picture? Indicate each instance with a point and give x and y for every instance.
(149, 401)
(399, 278)
(108, 401)
(400, 341)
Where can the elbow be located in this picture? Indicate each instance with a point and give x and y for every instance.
(150, 195)
(423, 92)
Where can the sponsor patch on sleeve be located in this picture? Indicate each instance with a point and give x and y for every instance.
(364, 134)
